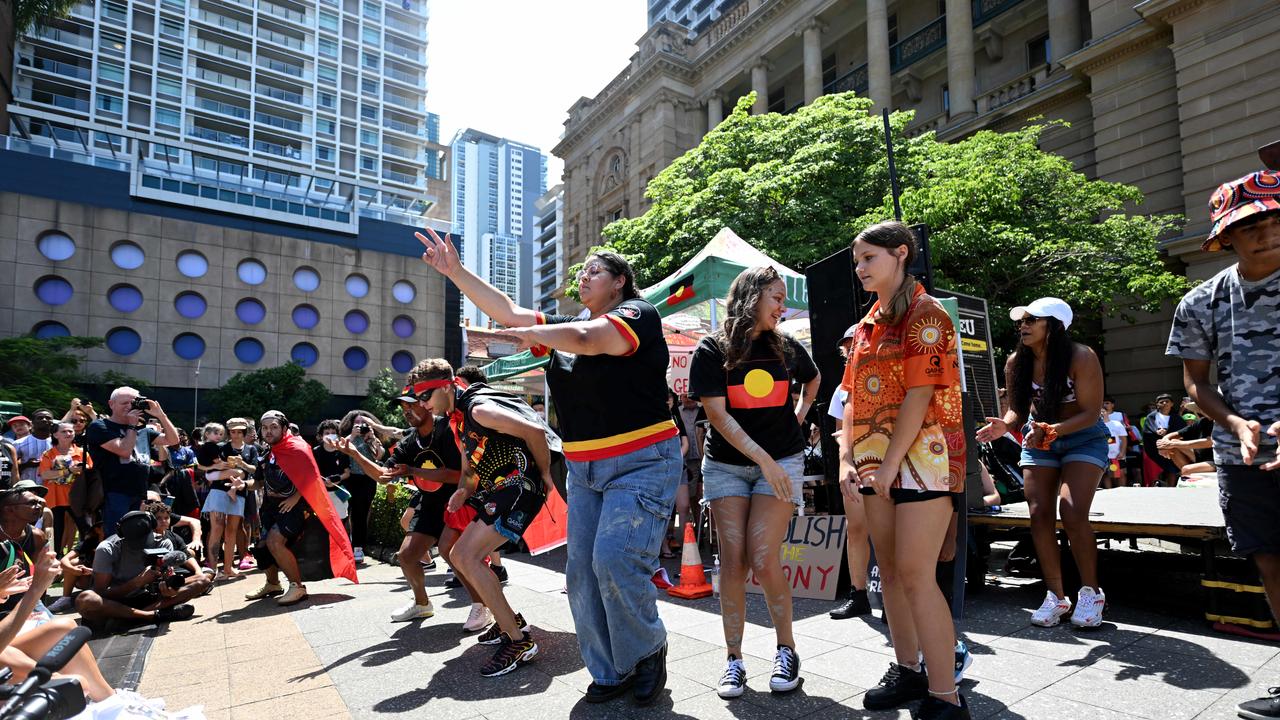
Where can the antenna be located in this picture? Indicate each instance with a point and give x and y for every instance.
(893, 169)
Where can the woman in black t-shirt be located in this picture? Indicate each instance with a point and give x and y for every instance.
(753, 468)
(607, 376)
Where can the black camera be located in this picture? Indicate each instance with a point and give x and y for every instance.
(165, 561)
(39, 697)
(140, 403)
(363, 428)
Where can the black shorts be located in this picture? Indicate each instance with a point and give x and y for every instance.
(428, 512)
(1250, 502)
(511, 509)
(290, 524)
(902, 495)
(142, 599)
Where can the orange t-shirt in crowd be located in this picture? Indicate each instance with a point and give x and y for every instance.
(60, 489)
(886, 361)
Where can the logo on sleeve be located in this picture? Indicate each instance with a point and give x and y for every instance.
(629, 312)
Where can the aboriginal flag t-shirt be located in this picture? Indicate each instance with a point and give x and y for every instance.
(757, 395)
(431, 452)
(610, 405)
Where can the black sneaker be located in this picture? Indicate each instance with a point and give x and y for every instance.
(453, 582)
(856, 605)
(898, 687)
(175, 612)
(734, 681)
(493, 634)
(501, 572)
(511, 655)
(938, 709)
(1264, 708)
(428, 566)
(786, 671)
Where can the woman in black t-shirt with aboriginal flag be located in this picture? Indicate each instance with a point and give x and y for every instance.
(607, 378)
(753, 466)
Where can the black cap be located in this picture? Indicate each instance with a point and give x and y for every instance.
(134, 527)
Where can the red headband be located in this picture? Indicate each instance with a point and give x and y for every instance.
(417, 389)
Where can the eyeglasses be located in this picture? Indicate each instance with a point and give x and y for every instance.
(591, 272)
(1027, 320)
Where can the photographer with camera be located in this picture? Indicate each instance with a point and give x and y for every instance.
(120, 446)
(360, 431)
(142, 574)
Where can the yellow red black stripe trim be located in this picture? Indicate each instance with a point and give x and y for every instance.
(627, 333)
(539, 318)
(619, 444)
(1247, 622)
(1238, 587)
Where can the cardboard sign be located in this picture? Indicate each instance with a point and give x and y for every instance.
(678, 370)
(811, 554)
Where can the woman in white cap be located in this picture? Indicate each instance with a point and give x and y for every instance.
(1055, 396)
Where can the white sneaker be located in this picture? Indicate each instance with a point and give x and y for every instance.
(1051, 610)
(734, 681)
(479, 619)
(1089, 605)
(359, 554)
(413, 611)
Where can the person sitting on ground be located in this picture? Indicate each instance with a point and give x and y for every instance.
(131, 585)
(77, 576)
(293, 488)
(1162, 421)
(21, 507)
(1191, 448)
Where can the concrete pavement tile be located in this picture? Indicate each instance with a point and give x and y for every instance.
(710, 706)
(988, 697)
(851, 709)
(283, 641)
(854, 666)
(841, 632)
(1015, 668)
(1188, 672)
(1047, 707)
(766, 646)
(815, 693)
(1143, 698)
(257, 686)
(191, 670)
(680, 646)
(284, 664)
(213, 695)
(1224, 708)
(706, 668)
(300, 706)
(1065, 643)
(1193, 638)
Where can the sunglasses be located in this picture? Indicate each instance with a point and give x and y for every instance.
(1028, 321)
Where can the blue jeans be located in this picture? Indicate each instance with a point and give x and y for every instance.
(114, 507)
(619, 508)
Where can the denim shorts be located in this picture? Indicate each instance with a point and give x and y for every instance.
(722, 480)
(1088, 445)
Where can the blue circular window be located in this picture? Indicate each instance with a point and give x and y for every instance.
(306, 279)
(357, 322)
(403, 326)
(190, 305)
(56, 246)
(306, 317)
(251, 272)
(127, 255)
(402, 361)
(123, 341)
(355, 358)
(305, 354)
(192, 264)
(49, 329)
(357, 285)
(249, 351)
(188, 346)
(404, 292)
(53, 290)
(125, 298)
(250, 311)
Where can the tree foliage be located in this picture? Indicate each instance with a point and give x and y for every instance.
(1009, 222)
(47, 373)
(283, 388)
(381, 398)
(27, 14)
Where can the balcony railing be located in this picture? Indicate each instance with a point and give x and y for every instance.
(855, 80)
(402, 101)
(221, 107)
(61, 68)
(283, 67)
(282, 39)
(400, 177)
(63, 101)
(281, 11)
(402, 76)
(285, 95)
(63, 36)
(984, 10)
(220, 78)
(218, 137)
(287, 151)
(404, 127)
(277, 121)
(404, 52)
(223, 21)
(404, 27)
(399, 152)
(225, 51)
(919, 44)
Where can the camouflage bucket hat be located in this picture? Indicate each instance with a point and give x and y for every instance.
(1236, 200)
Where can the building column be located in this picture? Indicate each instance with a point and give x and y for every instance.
(960, 57)
(1064, 28)
(878, 83)
(811, 37)
(760, 84)
(715, 110)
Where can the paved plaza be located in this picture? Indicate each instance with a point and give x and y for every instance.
(337, 655)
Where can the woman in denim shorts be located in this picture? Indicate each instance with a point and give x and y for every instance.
(1055, 386)
(753, 466)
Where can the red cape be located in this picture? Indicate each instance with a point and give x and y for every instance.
(293, 455)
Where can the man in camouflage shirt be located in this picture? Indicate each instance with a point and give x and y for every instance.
(1231, 324)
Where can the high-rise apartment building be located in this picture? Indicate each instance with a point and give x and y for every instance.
(496, 185)
(697, 15)
(548, 263)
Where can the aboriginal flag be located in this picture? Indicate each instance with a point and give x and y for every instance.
(759, 388)
(681, 291)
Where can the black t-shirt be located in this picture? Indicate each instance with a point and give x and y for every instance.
(247, 452)
(129, 475)
(498, 460)
(757, 395)
(429, 452)
(273, 479)
(679, 421)
(609, 405)
(330, 462)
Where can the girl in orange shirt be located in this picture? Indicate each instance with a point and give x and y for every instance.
(903, 455)
(60, 466)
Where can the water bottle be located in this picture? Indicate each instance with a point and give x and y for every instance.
(715, 575)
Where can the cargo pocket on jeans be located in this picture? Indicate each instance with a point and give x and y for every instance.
(648, 525)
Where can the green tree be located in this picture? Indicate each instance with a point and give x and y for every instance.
(1009, 222)
(283, 388)
(28, 14)
(47, 373)
(381, 398)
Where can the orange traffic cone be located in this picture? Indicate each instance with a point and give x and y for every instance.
(693, 581)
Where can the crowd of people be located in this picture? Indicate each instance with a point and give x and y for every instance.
(125, 506)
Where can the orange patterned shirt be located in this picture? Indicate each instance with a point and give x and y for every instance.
(886, 361)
